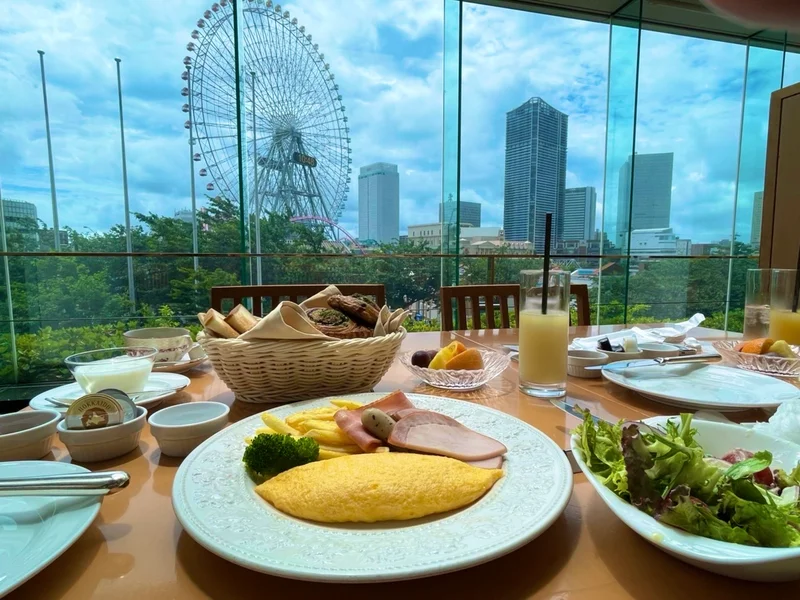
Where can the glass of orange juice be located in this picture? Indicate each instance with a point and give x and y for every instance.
(784, 317)
(543, 334)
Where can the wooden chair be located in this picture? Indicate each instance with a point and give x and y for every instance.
(460, 293)
(295, 293)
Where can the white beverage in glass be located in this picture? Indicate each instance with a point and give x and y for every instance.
(543, 341)
(126, 373)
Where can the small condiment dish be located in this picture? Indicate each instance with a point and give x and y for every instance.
(618, 356)
(656, 350)
(27, 435)
(103, 443)
(181, 428)
(578, 360)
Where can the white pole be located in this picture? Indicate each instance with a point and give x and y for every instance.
(255, 183)
(56, 234)
(128, 241)
(11, 328)
(195, 250)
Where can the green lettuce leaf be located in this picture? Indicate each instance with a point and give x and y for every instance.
(641, 487)
(766, 523)
(601, 446)
(692, 515)
(758, 462)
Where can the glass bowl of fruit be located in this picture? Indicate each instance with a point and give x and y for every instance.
(771, 357)
(455, 367)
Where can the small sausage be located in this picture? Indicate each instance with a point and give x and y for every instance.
(378, 423)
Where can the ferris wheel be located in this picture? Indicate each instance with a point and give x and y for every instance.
(298, 147)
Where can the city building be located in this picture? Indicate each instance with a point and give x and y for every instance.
(20, 215)
(430, 233)
(184, 214)
(653, 242)
(379, 203)
(755, 224)
(473, 240)
(683, 247)
(579, 209)
(652, 194)
(470, 213)
(535, 171)
(704, 249)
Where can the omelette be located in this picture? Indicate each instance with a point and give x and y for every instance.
(389, 486)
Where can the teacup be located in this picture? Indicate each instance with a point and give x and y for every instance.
(171, 342)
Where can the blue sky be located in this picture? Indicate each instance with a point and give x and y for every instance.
(387, 59)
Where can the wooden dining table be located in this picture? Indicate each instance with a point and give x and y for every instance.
(137, 549)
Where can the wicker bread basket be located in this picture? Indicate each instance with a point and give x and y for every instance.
(287, 371)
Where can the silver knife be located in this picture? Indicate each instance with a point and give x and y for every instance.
(652, 362)
(572, 409)
(72, 484)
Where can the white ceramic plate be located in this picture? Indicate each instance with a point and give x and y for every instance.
(701, 385)
(732, 560)
(181, 366)
(156, 382)
(34, 531)
(215, 502)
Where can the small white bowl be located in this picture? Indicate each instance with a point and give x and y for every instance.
(578, 360)
(181, 428)
(655, 350)
(732, 560)
(618, 356)
(103, 443)
(27, 435)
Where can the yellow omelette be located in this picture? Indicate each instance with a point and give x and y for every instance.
(391, 486)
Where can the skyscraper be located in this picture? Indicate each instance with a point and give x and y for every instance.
(536, 171)
(755, 224)
(470, 213)
(379, 202)
(652, 194)
(579, 208)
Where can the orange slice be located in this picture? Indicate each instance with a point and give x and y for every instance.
(469, 360)
(758, 346)
(445, 354)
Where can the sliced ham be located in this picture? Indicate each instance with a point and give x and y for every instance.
(489, 463)
(435, 433)
(404, 412)
(349, 421)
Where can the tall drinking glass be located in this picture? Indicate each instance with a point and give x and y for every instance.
(543, 334)
(756, 303)
(784, 323)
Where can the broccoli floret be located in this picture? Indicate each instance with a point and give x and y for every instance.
(272, 453)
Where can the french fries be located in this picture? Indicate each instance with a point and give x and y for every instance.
(316, 423)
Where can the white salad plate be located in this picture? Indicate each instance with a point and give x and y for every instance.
(705, 386)
(35, 530)
(171, 383)
(732, 560)
(216, 503)
(181, 366)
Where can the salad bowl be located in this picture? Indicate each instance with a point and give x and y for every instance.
(739, 561)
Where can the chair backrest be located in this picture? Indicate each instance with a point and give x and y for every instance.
(295, 293)
(460, 293)
(474, 293)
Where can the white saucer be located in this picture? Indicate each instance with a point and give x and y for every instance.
(38, 529)
(156, 381)
(180, 366)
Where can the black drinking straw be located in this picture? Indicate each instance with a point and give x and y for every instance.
(796, 284)
(548, 226)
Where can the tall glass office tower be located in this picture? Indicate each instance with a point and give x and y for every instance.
(652, 194)
(536, 171)
(379, 203)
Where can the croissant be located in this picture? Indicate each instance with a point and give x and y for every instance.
(337, 324)
(358, 309)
